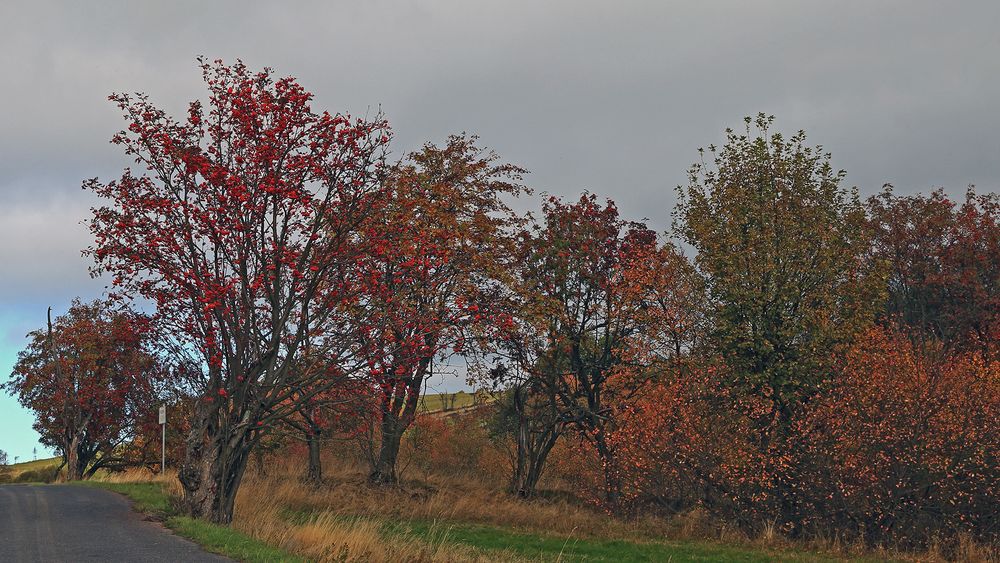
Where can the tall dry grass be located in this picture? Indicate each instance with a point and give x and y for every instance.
(327, 536)
(343, 519)
(439, 497)
(172, 486)
(264, 513)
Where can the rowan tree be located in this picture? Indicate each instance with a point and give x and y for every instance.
(90, 379)
(587, 308)
(943, 282)
(241, 228)
(428, 275)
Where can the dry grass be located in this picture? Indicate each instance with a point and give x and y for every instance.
(443, 498)
(326, 536)
(343, 519)
(172, 486)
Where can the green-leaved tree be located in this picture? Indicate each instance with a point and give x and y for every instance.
(784, 251)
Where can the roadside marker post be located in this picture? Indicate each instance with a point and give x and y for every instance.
(163, 438)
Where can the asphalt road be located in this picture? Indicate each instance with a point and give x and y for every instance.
(54, 523)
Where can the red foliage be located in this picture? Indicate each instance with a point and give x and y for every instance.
(598, 309)
(901, 447)
(944, 283)
(90, 381)
(242, 228)
(428, 274)
(906, 444)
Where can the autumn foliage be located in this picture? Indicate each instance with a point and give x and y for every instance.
(429, 276)
(90, 377)
(241, 227)
(792, 358)
(902, 448)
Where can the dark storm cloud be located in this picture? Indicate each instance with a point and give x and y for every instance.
(614, 97)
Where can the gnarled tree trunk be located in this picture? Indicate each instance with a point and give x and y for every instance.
(214, 463)
(72, 457)
(384, 470)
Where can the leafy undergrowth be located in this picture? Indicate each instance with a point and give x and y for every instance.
(153, 499)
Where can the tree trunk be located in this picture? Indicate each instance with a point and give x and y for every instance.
(314, 473)
(72, 455)
(213, 467)
(258, 457)
(532, 450)
(398, 412)
(529, 471)
(384, 472)
(612, 476)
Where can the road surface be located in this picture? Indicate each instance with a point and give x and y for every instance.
(53, 523)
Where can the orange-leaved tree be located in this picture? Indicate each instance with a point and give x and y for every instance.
(433, 254)
(904, 447)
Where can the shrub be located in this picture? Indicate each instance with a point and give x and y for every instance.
(900, 448)
(44, 475)
(905, 447)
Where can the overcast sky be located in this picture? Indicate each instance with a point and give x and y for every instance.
(611, 97)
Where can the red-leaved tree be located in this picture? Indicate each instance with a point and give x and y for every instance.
(595, 302)
(943, 284)
(241, 228)
(89, 377)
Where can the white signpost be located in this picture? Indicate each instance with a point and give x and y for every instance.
(163, 438)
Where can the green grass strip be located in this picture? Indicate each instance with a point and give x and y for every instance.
(226, 541)
(576, 549)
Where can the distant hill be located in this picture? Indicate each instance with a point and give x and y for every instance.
(16, 469)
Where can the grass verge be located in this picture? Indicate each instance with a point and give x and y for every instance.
(540, 547)
(152, 499)
(548, 548)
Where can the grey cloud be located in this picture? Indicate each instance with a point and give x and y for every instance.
(614, 97)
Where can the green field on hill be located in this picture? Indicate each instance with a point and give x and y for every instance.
(438, 402)
(41, 470)
(35, 465)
